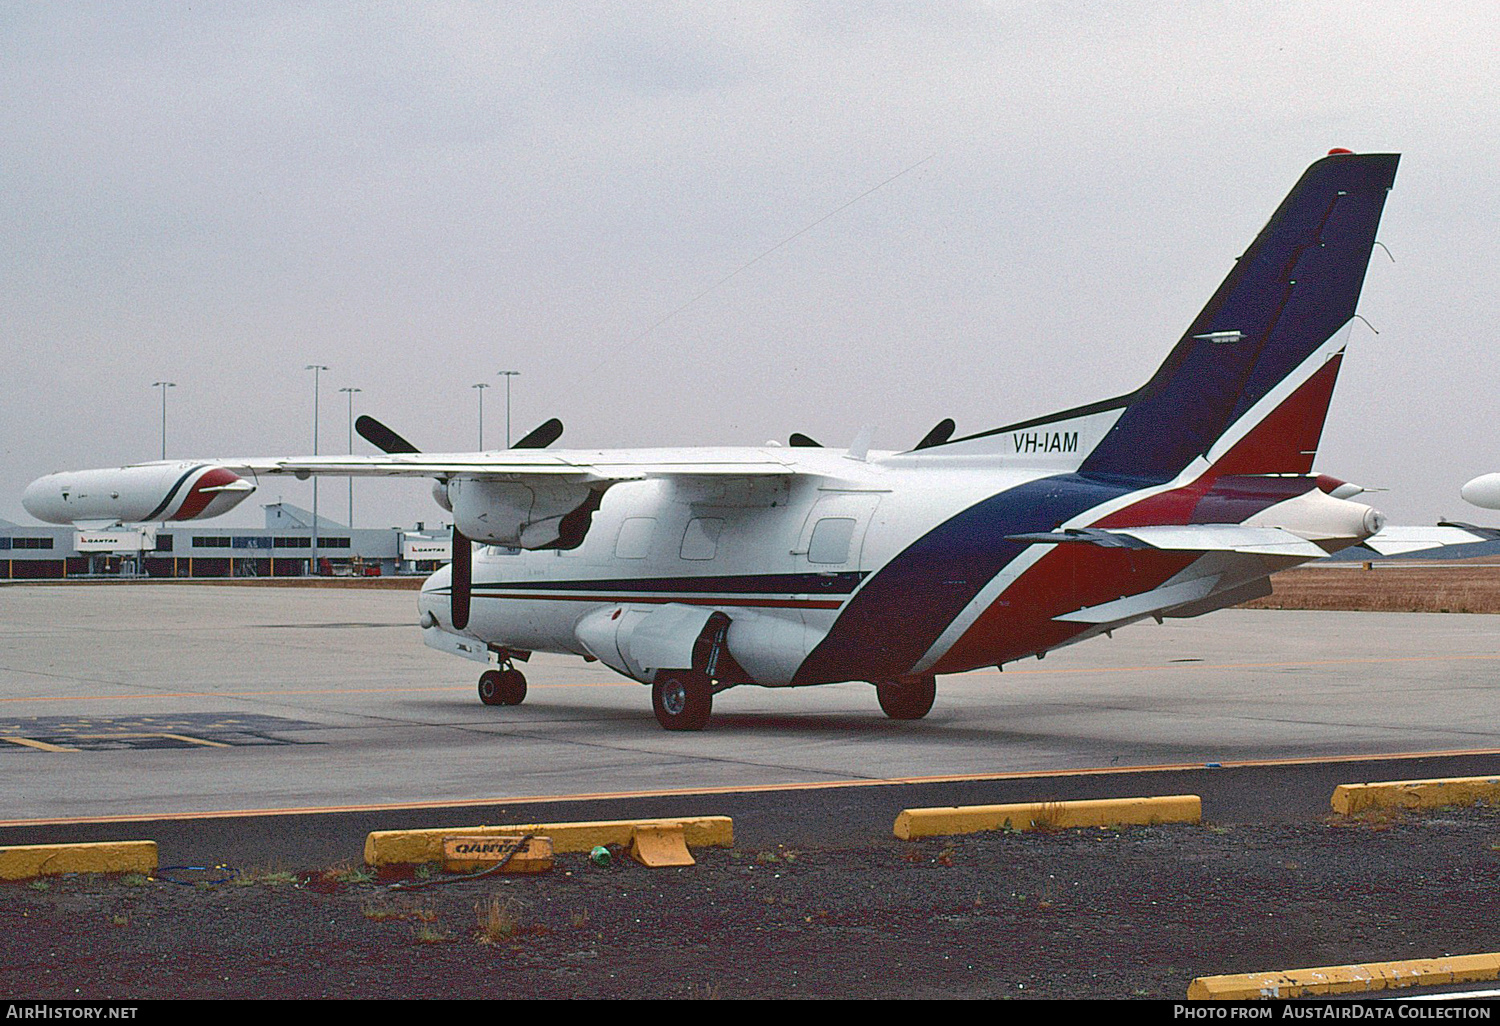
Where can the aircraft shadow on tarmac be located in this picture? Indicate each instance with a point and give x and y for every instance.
(853, 725)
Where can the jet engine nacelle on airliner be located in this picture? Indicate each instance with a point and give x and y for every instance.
(138, 494)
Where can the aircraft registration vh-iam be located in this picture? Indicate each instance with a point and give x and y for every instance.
(697, 570)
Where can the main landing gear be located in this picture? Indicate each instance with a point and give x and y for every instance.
(909, 698)
(682, 699)
(505, 686)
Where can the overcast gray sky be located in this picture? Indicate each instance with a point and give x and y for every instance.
(421, 195)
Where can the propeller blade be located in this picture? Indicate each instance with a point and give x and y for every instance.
(939, 434)
(463, 567)
(541, 437)
(382, 437)
(801, 441)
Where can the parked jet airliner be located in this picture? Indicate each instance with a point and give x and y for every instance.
(696, 570)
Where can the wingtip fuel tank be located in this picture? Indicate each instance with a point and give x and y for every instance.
(137, 494)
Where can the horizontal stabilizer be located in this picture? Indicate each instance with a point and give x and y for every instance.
(1396, 541)
(1254, 541)
(1087, 535)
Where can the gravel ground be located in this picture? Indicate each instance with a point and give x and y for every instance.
(1137, 912)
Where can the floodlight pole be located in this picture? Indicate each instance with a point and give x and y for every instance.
(507, 375)
(351, 392)
(316, 368)
(164, 385)
(481, 387)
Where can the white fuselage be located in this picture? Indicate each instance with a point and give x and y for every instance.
(780, 555)
(887, 567)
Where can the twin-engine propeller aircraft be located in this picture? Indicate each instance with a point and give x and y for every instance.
(697, 570)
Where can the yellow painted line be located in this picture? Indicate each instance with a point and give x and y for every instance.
(194, 740)
(22, 862)
(1415, 794)
(44, 746)
(1101, 812)
(729, 789)
(1347, 979)
(138, 737)
(391, 847)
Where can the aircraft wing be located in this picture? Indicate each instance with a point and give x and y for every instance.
(512, 488)
(513, 464)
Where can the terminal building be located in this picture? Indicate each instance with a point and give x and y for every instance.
(283, 548)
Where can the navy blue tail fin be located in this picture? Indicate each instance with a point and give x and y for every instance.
(1287, 296)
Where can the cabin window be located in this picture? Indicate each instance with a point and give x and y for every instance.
(701, 539)
(830, 540)
(634, 540)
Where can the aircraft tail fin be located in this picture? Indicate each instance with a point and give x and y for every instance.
(1252, 377)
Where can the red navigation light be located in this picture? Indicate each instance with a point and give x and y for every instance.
(1338, 149)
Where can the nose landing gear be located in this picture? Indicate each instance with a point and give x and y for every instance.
(505, 686)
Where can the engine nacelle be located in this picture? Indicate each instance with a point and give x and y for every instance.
(139, 494)
(1322, 519)
(510, 513)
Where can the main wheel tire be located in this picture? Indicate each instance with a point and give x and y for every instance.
(512, 687)
(489, 687)
(682, 700)
(908, 699)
